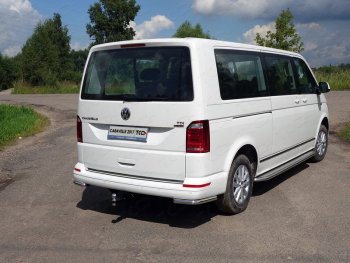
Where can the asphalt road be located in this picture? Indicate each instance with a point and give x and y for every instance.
(301, 216)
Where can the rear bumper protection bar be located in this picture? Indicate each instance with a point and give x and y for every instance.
(136, 177)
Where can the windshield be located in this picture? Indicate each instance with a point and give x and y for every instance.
(139, 74)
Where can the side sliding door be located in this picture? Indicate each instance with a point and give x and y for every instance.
(288, 113)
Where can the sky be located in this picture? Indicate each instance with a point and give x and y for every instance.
(324, 25)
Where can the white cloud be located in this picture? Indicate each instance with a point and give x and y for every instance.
(249, 36)
(322, 46)
(17, 21)
(232, 7)
(19, 6)
(150, 28)
(306, 10)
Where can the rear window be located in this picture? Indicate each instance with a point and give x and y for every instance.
(139, 74)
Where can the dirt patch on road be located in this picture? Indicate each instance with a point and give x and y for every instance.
(339, 110)
(4, 179)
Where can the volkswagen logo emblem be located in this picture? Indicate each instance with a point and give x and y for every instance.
(125, 113)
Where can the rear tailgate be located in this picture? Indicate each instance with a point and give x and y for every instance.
(153, 88)
(162, 155)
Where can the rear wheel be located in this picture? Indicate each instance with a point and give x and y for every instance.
(321, 144)
(239, 186)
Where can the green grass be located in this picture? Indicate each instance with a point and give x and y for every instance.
(345, 133)
(338, 79)
(62, 88)
(19, 121)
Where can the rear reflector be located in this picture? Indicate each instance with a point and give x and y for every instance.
(77, 170)
(132, 45)
(198, 137)
(196, 185)
(79, 130)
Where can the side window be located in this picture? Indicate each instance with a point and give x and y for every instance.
(305, 82)
(240, 75)
(280, 74)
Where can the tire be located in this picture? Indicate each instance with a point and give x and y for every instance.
(321, 144)
(239, 187)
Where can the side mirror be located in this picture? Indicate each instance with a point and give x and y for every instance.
(323, 87)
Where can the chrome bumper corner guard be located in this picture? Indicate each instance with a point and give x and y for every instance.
(79, 183)
(194, 202)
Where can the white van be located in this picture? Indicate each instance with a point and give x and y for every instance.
(196, 120)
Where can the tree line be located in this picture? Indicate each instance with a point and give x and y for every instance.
(46, 59)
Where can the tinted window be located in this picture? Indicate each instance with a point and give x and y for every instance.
(240, 75)
(304, 79)
(139, 74)
(280, 75)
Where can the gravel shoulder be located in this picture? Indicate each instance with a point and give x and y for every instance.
(58, 108)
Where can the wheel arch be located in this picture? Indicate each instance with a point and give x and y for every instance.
(246, 147)
(323, 120)
(249, 151)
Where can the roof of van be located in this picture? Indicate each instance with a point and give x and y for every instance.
(201, 41)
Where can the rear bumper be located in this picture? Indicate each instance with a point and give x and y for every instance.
(174, 190)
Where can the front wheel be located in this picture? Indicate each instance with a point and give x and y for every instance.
(321, 144)
(239, 187)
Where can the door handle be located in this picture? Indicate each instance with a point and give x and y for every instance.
(296, 101)
(304, 100)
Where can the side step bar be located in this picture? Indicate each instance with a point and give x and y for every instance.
(285, 166)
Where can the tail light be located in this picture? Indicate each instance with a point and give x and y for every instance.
(79, 130)
(198, 137)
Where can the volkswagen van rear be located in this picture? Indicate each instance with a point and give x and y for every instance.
(138, 117)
